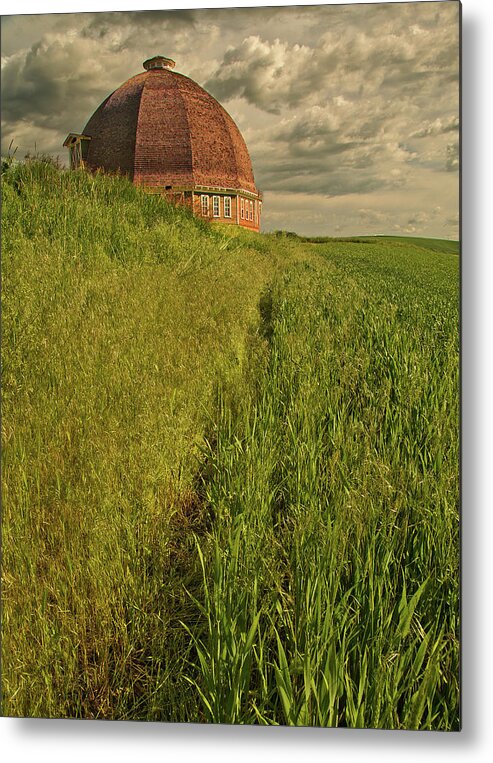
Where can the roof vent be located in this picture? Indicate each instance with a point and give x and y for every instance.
(159, 62)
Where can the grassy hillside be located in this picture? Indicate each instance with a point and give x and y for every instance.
(230, 467)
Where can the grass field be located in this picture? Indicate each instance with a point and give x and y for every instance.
(433, 244)
(230, 467)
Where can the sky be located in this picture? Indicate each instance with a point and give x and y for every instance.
(350, 112)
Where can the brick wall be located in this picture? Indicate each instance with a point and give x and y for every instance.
(235, 209)
(163, 152)
(113, 129)
(167, 133)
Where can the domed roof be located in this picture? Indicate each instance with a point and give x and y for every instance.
(161, 128)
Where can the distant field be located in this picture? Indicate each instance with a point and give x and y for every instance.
(230, 467)
(435, 244)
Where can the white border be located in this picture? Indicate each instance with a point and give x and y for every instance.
(63, 6)
(74, 741)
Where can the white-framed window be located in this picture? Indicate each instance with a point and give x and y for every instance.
(204, 202)
(251, 211)
(242, 208)
(227, 206)
(256, 212)
(216, 209)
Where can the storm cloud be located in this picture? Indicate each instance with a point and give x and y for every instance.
(351, 112)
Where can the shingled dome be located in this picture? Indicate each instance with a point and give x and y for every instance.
(167, 134)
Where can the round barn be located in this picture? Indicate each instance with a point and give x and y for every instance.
(167, 134)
